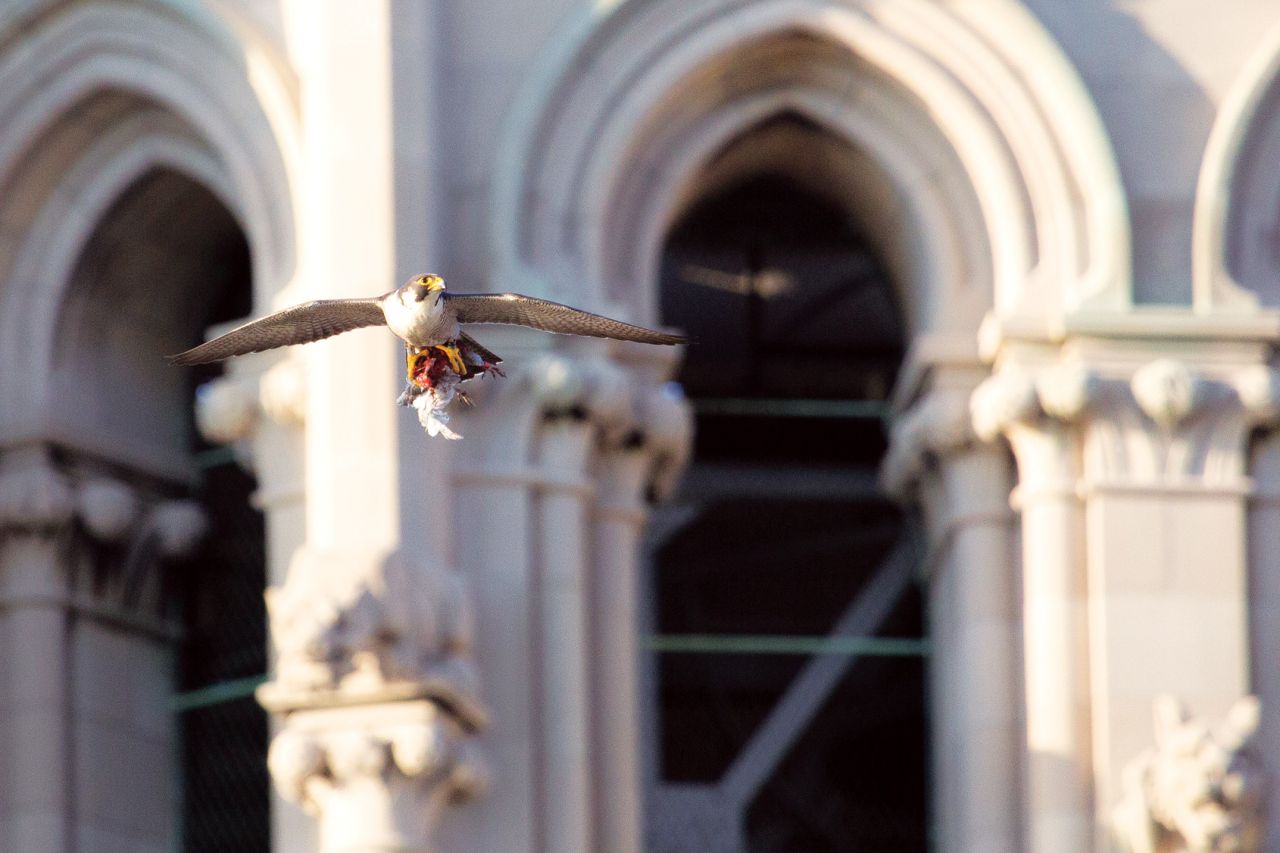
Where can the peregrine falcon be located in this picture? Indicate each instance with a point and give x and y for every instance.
(421, 314)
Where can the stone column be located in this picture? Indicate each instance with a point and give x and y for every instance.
(1058, 799)
(562, 618)
(1156, 449)
(1264, 613)
(560, 458)
(636, 452)
(1166, 496)
(88, 644)
(37, 505)
(375, 492)
(973, 617)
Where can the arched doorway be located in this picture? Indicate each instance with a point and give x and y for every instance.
(166, 261)
(782, 529)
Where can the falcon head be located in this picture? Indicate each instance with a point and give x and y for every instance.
(421, 286)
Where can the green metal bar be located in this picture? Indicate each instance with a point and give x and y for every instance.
(213, 457)
(733, 644)
(760, 644)
(746, 406)
(216, 694)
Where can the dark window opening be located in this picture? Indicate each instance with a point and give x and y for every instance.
(797, 339)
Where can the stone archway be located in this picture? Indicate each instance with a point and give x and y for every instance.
(114, 104)
(995, 196)
(1234, 261)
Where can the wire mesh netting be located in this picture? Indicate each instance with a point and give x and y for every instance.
(223, 730)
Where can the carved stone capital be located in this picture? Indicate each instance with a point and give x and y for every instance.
(1199, 788)
(354, 628)
(35, 497)
(376, 776)
(378, 695)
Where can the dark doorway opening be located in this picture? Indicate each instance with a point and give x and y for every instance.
(797, 342)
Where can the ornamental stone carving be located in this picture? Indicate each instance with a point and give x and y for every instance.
(35, 497)
(1001, 400)
(667, 423)
(107, 508)
(393, 632)
(1258, 388)
(1167, 391)
(226, 411)
(1199, 789)
(1066, 391)
(1164, 423)
(231, 408)
(559, 384)
(375, 776)
(937, 424)
(378, 695)
(179, 526)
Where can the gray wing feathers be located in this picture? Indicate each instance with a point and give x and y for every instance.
(301, 324)
(512, 308)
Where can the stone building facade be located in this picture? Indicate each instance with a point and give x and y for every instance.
(1076, 205)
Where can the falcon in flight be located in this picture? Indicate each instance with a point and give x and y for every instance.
(424, 316)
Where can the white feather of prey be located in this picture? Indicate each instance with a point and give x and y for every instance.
(432, 403)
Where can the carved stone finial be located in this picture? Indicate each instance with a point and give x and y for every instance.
(1167, 391)
(1199, 789)
(1000, 401)
(107, 508)
(225, 411)
(35, 498)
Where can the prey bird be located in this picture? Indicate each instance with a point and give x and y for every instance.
(423, 315)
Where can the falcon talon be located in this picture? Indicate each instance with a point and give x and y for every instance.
(438, 354)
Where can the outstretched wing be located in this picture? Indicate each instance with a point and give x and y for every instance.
(520, 310)
(301, 324)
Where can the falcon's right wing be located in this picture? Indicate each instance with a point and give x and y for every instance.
(301, 324)
(519, 310)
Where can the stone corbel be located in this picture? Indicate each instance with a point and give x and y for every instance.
(1199, 788)
(378, 696)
